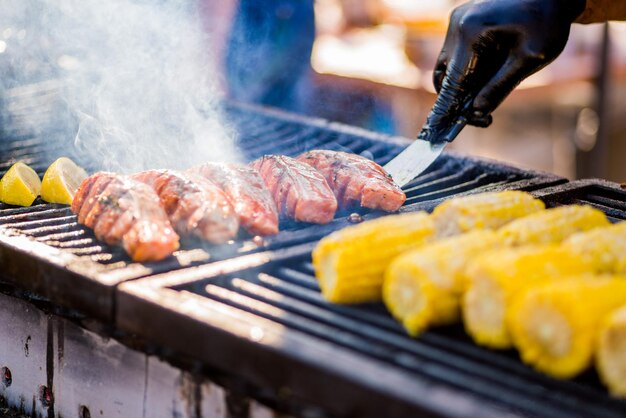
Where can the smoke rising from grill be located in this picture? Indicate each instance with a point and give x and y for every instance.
(136, 77)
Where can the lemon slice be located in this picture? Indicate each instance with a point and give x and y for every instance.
(61, 180)
(20, 185)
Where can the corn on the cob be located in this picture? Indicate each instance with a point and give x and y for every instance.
(555, 326)
(605, 247)
(496, 277)
(423, 287)
(350, 263)
(552, 225)
(483, 211)
(611, 352)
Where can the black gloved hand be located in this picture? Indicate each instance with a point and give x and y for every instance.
(490, 47)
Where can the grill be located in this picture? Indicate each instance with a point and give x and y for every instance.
(253, 311)
(67, 265)
(264, 314)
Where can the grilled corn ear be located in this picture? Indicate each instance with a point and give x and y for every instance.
(350, 263)
(605, 247)
(496, 277)
(555, 326)
(423, 287)
(483, 211)
(611, 353)
(553, 225)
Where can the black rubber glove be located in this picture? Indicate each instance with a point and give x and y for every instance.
(490, 47)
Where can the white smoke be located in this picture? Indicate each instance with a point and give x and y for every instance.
(136, 75)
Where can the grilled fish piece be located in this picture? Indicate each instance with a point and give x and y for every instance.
(246, 192)
(88, 192)
(195, 206)
(123, 211)
(356, 180)
(299, 191)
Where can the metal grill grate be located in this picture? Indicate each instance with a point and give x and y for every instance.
(602, 195)
(56, 226)
(262, 132)
(290, 297)
(70, 254)
(277, 295)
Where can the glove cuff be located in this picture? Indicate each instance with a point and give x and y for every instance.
(601, 11)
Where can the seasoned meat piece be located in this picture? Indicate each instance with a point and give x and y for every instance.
(355, 179)
(123, 211)
(87, 193)
(194, 205)
(247, 194)
(300, 192)
(85, 214)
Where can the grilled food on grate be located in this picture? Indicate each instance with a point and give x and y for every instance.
(299, 191)
(350, 263)
(605, 247)
(423, 287)
(611, 352)
(247, 193)
(211, 200)
(391, 236)
(356, 180)
(195, 205)
(497, 277)
(483, 211)
(555, 326)
(123, 211)
(61, 180)
(20, 185)
(86, 197)
(553, 225)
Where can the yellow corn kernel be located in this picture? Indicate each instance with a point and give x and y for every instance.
(553, 225)
(423, 287)
(611, 352)
(483, 211)
(350, 263)
(555, 326)
(496, 277)
(605, 247)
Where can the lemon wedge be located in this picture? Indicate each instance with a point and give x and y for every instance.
(20, 185)
(61, 180)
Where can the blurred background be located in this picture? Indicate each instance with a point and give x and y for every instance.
(371, 65)
(362, 62)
